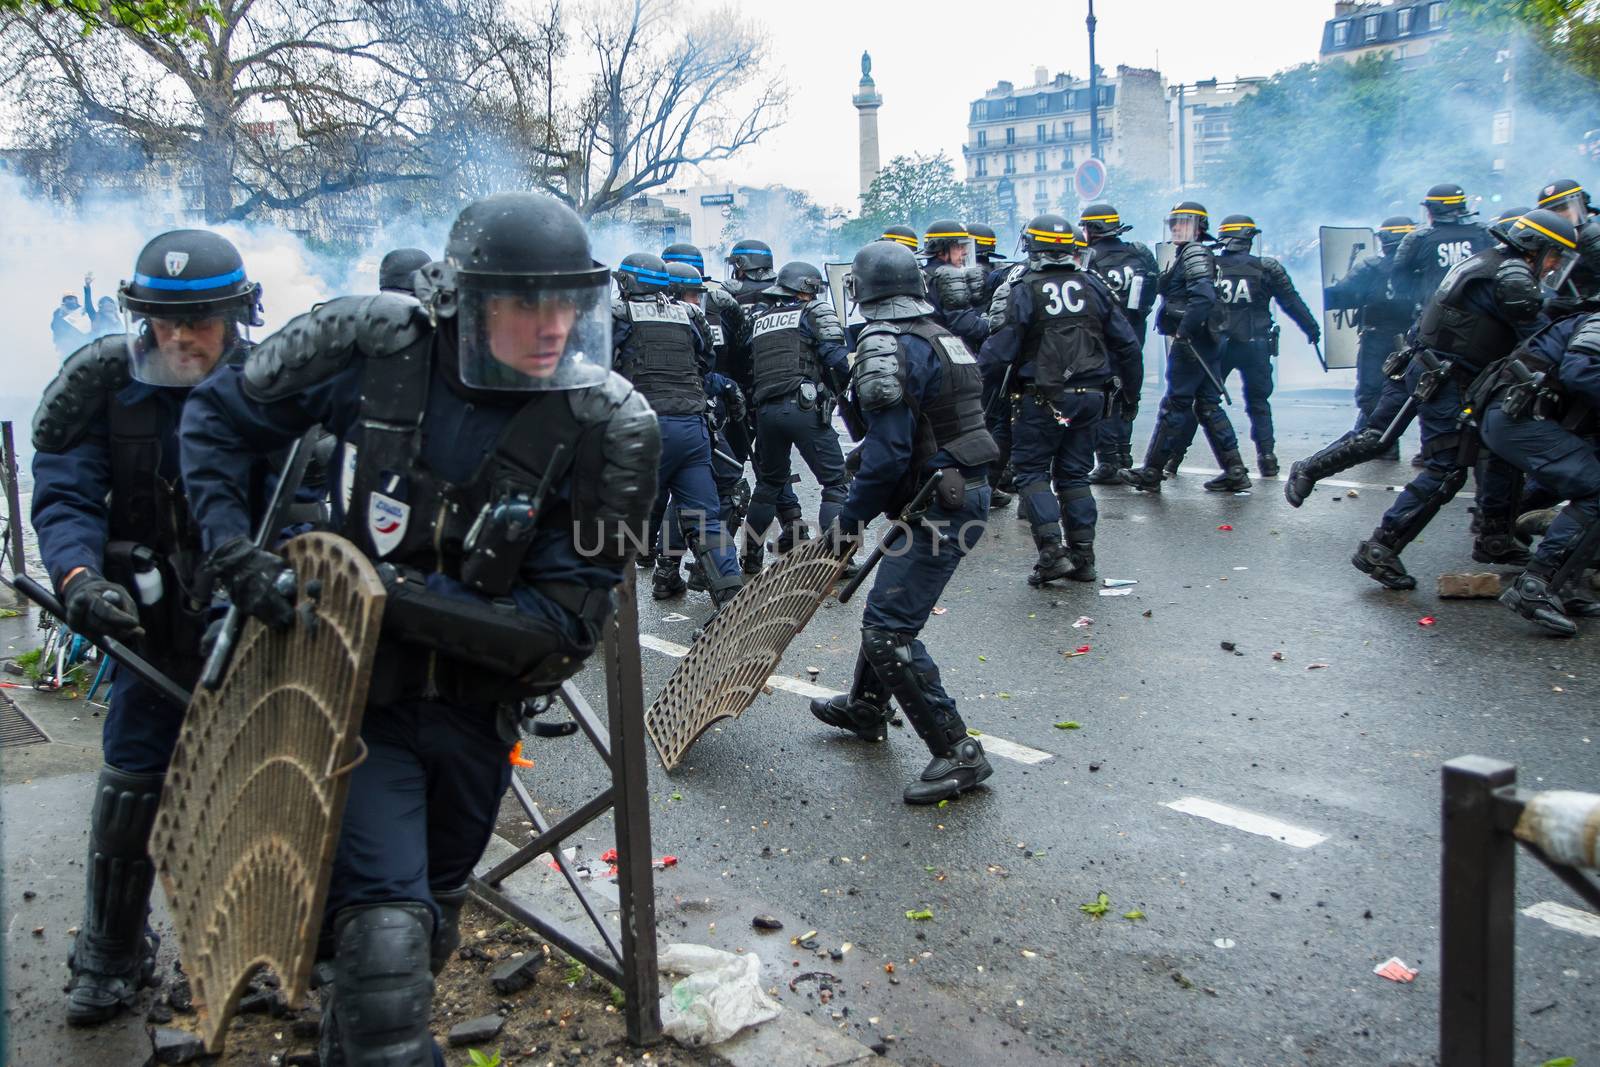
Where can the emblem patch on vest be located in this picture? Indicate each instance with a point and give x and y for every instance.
(957, 350)
(386, 522)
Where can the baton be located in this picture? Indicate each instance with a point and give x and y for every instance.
(272, 521)
(143, 669)
(1316, 346)
(919, 504)
(1005, 384)
(1223, 389)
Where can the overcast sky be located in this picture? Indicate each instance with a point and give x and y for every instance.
(931, 59)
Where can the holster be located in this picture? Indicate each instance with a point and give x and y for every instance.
(952, 490)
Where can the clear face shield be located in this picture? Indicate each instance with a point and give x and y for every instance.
(1183, 228)
(1554, 267)
(960, 252)
(179, 349)
(534, 337)
(1572, 208)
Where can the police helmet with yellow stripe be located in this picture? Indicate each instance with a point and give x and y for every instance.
(1051, 239)
(1101, 221)
(1238, 231)
(984, 239)
(943, 234)
(1564, 193)
(1446, 201)
(900, 235)
(1394, 229)
(1190, 209)
(1502, 222)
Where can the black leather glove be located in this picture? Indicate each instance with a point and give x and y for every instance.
(733, 402)
(843, 537)
(1314, 335)
(100, 608)
(260, 583)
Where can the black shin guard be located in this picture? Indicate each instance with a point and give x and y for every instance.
(382, 988)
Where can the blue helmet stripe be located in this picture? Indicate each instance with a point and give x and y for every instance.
(189, 284)
(684, 257)
(646, 274)
(751, 252)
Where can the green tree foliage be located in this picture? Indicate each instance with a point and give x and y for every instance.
(915, 190)
(158, 18)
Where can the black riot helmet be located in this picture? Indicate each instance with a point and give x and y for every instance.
(1100, 221)
(797, 279)
(1393, 230)
(184, 282)
(1548, 240)
(641, 274)
(943, 235)
(1188, 221)
(1051, 241)
(902, 235)
(749, 254)
(1447, 202)
(1501, 225)
(985, 241)
(685, 280)
(1238, 232)
(684, 253)
(532, 307)
(884, 270)
(397, 273)
(1566, 197)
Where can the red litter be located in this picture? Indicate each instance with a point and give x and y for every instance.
(664, 862)
(1395, 969)
(1225, 526)
(1427, 620)
(608, 856)
(1081, 649)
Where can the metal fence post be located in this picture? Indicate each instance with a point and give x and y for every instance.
(1476, 954)
(8, 447)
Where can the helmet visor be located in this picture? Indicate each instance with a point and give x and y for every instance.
(532, 340)
(1183, 228)
(1570, 207)
(176, 352)
(1555, 267)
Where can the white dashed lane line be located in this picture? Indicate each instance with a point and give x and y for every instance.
(1572, 920)
(1333, 483)
(996, 746)
(1248, 821)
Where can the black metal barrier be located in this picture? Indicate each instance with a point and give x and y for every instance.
(1485, 820)
(630, 960)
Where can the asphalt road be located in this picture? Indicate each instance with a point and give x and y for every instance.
(1252, 949)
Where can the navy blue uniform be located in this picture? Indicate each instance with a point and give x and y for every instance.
(1188, 294)
(1061, 409)
(1382, 322)
(1130, 272)
(1249, 285)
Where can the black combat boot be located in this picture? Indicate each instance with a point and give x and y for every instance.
(958, 762)
(1169, 469)
(1530, 596)
(1054, 562)
(1376, 558)
(1234, 478)
(864, 711)
(1080, 547)
(723, 589)
(697, 577)
(447, 933)
(1495, 541)
(794, 531)
(1105, 470)
(1531, 524)
(1267, 460)
(377, 991)
(668, 581)
(961, 767)
(1146, 479)
(1348, 451)
(114, 954)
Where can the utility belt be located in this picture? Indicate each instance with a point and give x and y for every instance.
(1525, 387)
(481, 651)
(1049, 398)
(952, 491)
(809, 396)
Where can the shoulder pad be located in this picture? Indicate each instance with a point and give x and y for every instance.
(1197, 262)
(1516, 290)
(1586, 338)
(313, 347)
(74, 398)
(616, 468)
(824, 322)
(1273, 269)
(876, 376)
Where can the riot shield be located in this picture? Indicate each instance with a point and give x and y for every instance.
(1166, 252)
(244, 839)
(843, 306)
(1342, 248)
(728, 665)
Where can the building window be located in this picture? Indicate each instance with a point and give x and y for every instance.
(1042, 102)
(983, 166)
(983, 138)
(1011, 107)
(1011, 163)
(1436, 14)
(1370, 27)
(1042, 132)
(1341, 34)
(1402, 51)
(1011, 135)
(1068, 130)
(1038, 161)
(1066, 160)
(1403, 21)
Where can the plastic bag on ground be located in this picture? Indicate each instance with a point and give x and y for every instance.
(720, 996)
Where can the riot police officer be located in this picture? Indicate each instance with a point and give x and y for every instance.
(664, 348)
(1246, 287)
(397, 273)
(1428, 253)
(1061, 320)
(955, 286)
(1381, 321)
(750, 268)
(1538, 414)
(1129, 270)
(449, 411)
(801, 363)
(1194, 371)
(117, 540)
(1571, 201)
(1484, 307)
(916, 389)
(900, 234)
(987, 253)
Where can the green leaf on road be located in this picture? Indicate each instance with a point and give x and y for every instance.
(1133, 916)
(1562, 1061)
(1101, 905)
(974, 733)
(920, 915)
(677, 796)
(945, 803)
(1070, 724)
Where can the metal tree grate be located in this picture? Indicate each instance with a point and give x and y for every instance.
(730, 662)
(250, 814)
(16, 729)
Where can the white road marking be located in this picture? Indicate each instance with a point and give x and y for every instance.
(1248, 821)
(1335, 483)
(993, 744)
(1572, 920)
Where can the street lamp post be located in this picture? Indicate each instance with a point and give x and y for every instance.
(1094, 91)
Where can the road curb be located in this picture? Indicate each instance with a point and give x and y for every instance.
(793, 1039)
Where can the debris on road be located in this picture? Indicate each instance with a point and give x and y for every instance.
(1479, 586)
(1229, 646)
(1098, 907)
(1427, 620)
(1133, 916)
(1081, 650)
(1316, 666)
(1394, 968)
(766, 922)
(1351, 493)
(676, 616)
(1226, 527)
(1278, 656)
(1083, 620)
(1224, 942)
(920, 914)
(941, 611)
(1117, 583)
(1069, 725)
(479, 1031)
(720, 996)
(1116, 592)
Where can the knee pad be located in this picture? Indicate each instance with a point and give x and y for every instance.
(382, 985)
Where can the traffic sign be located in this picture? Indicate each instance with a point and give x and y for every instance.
(1089, 180)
